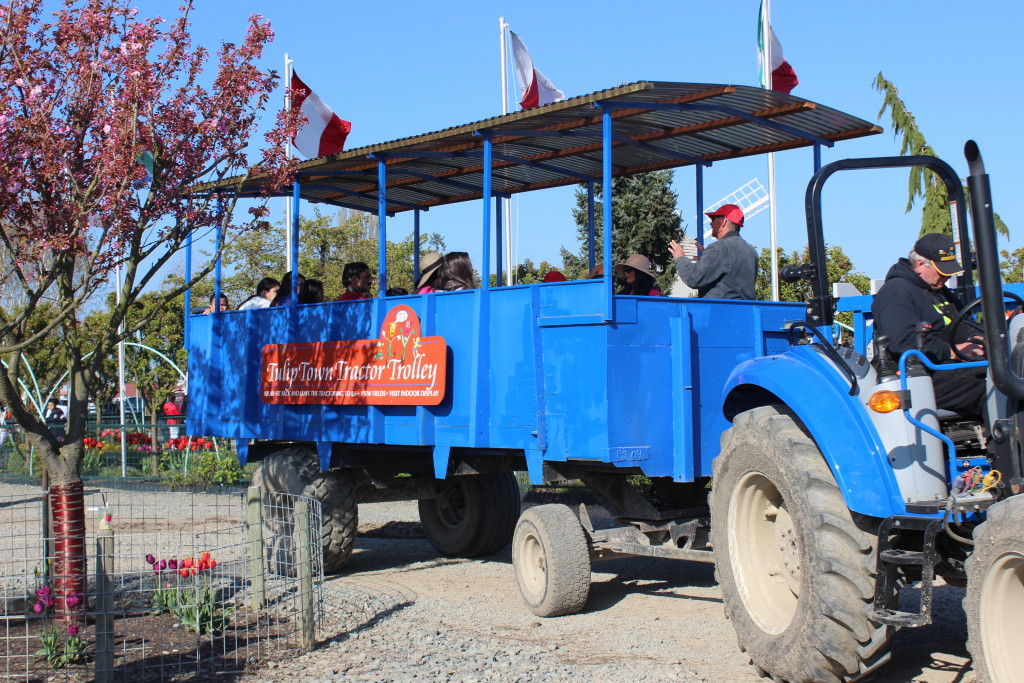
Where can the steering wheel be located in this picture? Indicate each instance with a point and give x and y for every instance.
(979, 339)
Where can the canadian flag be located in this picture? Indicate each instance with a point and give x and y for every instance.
(783, 77)
(535, 89)
(323, 133)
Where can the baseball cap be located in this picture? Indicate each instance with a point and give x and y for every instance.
(729, 212)
(938, 249)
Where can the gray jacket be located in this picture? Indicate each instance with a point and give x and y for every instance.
(726, 270)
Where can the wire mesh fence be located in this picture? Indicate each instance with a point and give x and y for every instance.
(180, 584)
(148, 450)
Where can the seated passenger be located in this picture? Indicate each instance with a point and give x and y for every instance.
(553, 276)
(357, 280)
(636, 272)
(284, 292)
(311, 292)
(432, 273)
(596, 272)
(397, 291)
(223, 304)
(460, 272)
(266, 290)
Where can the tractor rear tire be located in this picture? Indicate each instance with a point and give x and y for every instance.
(474, 515)
(296, 471)
(797, 573)
(995, 593)
(551, 559)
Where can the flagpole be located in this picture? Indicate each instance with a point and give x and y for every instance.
(506, 205)
(288, 155)
(766, 42)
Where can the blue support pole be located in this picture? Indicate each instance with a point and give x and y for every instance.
(217, 266)
(485, 266)
(606, 192)
(382, 233)
(295, 240)
(416, 242)
(499, 237)
(817, 157)
(700, 204)
(591, 232)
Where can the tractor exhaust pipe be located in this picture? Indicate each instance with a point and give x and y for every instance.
(983, 217)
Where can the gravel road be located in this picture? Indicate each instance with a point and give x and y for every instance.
(401, 612)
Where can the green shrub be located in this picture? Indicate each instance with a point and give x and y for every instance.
(205, 468)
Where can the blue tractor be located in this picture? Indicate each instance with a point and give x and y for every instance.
(832, 477)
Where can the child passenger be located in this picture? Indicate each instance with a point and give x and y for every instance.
(357, 279)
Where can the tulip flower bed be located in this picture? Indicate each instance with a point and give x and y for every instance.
(180, 603)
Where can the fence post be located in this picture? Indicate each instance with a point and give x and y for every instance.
(104, 667)
(256, 564)
(304, 560)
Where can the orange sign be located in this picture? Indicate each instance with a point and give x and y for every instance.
(402, 367)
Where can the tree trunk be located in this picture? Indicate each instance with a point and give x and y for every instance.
(67, 503)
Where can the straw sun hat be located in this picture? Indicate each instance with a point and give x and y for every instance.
(429, 263)
(636, 262)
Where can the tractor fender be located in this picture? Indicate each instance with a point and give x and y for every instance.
(809, 385)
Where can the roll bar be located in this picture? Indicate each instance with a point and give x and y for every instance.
(820, 307)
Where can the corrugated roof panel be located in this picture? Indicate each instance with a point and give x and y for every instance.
(705, 121)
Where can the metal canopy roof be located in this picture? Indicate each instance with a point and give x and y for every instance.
(657, 125)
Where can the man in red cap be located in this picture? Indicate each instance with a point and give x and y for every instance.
(728, 267)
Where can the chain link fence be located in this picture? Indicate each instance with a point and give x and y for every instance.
(181, 585)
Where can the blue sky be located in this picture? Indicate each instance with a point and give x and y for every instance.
(400, 68)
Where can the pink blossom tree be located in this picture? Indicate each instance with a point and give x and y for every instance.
(106, 120)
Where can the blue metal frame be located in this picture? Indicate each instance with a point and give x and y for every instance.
(382, 232)
(608, 229)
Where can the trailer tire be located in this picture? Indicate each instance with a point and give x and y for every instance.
(551, 559)
(473, 516)
(995, 592)
(796, 571)
(296, 471)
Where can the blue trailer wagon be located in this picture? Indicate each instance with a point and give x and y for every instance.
(822, 505)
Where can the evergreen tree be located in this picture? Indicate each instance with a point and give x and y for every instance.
(644, 220)
(923, 183)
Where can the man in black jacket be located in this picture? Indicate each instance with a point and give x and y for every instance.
(915, 296)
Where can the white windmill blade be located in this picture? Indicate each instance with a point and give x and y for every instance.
(752, 198)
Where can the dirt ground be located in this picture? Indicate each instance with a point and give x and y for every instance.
(677, 603)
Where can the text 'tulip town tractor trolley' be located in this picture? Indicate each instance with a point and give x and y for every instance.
(836, 481)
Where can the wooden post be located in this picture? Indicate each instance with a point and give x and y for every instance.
(257, 565)
(104, 667)
(304, 560)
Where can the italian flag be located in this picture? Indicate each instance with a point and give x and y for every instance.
(323, 133)
(781, 77)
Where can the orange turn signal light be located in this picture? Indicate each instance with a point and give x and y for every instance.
(884, 401)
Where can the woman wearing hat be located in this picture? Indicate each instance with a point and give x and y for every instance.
(636, 272)
(433, 273)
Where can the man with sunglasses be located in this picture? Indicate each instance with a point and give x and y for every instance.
(727, 268)
(915, 308)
